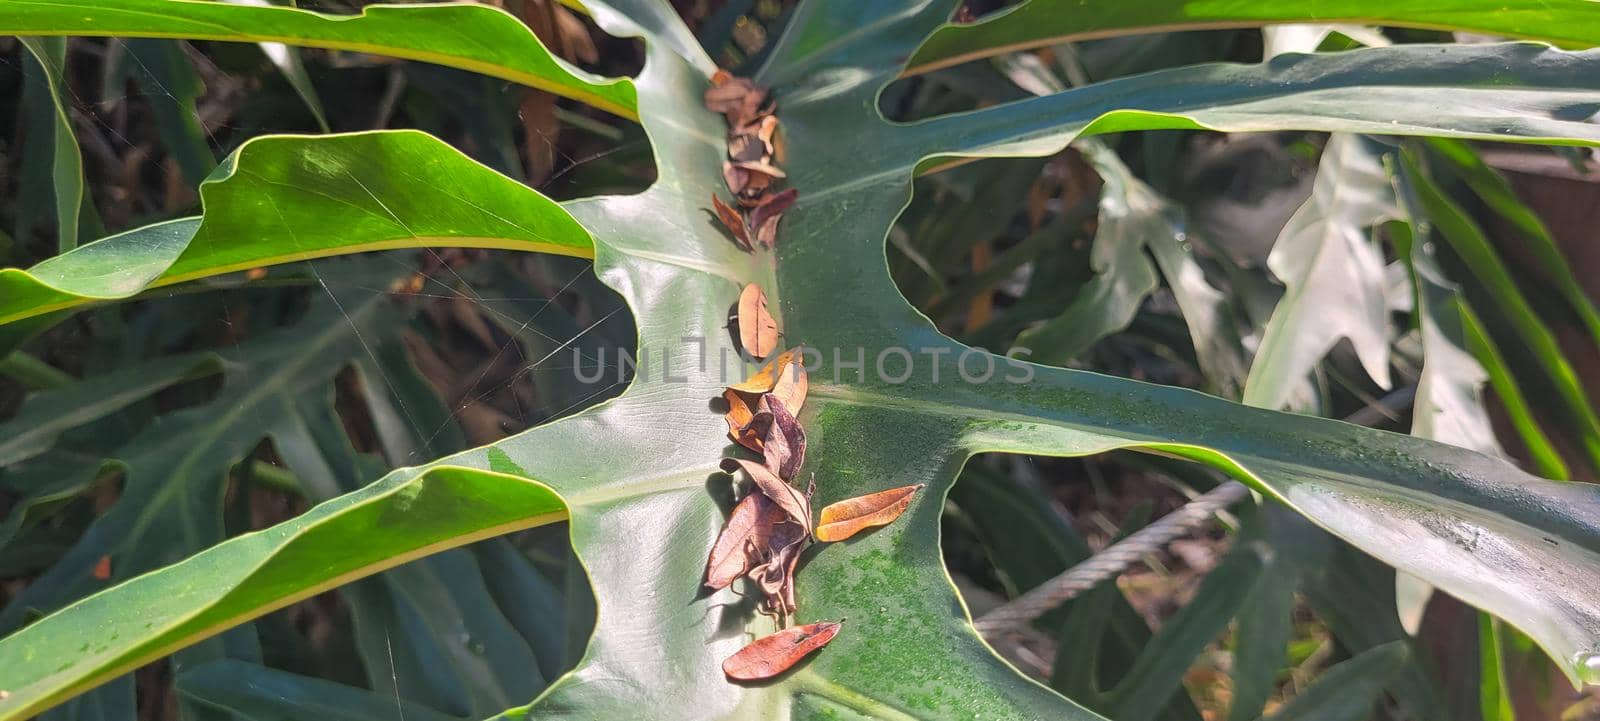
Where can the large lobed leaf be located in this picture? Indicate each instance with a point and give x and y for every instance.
(1037, 23)
(643, 466)
(468, 36)
(281, 199)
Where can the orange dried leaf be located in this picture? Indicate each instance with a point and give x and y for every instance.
(792, 386)
(766, 128)
(758, 332)
(770, 374)
(739, 416)
(771, 655)
(102, 568)
(847, 518)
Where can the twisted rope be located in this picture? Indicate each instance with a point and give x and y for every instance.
(1118, 557)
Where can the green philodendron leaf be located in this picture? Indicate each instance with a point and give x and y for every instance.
(1457, 91)
(255, 691)
(47, 414)
(1469, 241)
(171, 84)
(1349, 689)
(1158, 672)
(1332, 268)
(892, 402)
(1455, 342)
(381, 526)
(1498, 194)
(1038, 23)
(1135, 219)
(472, 37)
(281, 199)
(49, 55)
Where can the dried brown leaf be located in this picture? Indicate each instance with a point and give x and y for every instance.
(767, 232)
(792, 385)
(755, 188)
(784, 442)
(761, 167)
(541, 129)
(748, 540)
(847, 518)
(775, 577)
(578, 44)
(794, 503)
(758, 332)
(729, 95)
(733, 220)
(773, 205)
(765, 216)
(738, 179)
(738, 99)
(771, 655)
(739, 417)
(786, 363)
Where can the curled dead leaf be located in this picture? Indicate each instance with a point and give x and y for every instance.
(765, 216)
(732, 94)
(755, 187)
(738, 99)
(773, 205)
(771, 655)
(775, 577)
(758, 332)
(767, 233)
(737, 178)
(796, 505)
(847, 518)
(784, 441)
(733, 220)
(791, 386)
(766, 129)
(739, 416)
(757, 530)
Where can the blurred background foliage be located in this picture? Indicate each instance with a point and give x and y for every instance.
(1288, 270)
